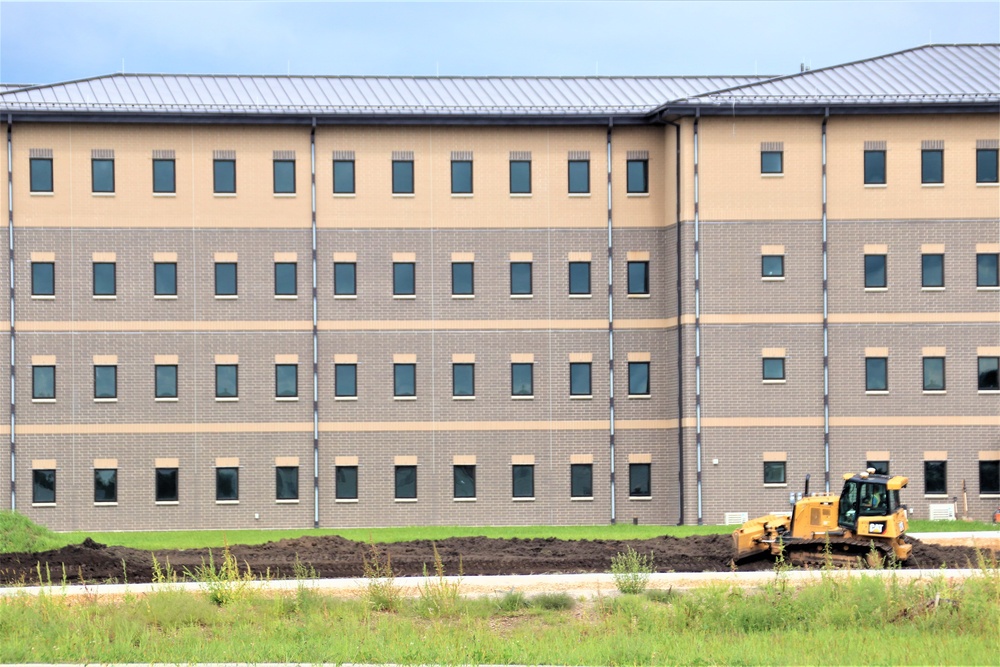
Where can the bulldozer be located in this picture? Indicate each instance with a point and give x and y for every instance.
(864, 525)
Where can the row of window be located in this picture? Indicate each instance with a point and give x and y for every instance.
(345, 281)
(935, 475)
(877, 373)
(224, 176)
(167, 489)
(286, 381)
(931, 270)
(931, 166)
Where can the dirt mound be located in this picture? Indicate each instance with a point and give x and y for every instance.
(333, 557)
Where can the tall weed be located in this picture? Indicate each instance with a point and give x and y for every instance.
(630, 571)
(381, 592)
(438, 596)
(225, 583)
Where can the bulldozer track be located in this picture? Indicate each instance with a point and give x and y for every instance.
(841, 552)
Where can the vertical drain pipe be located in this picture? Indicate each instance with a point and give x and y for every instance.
(10, 255)
(611, 333)
(697, 322)
(680, 337)
(826, 329)
(315, 331)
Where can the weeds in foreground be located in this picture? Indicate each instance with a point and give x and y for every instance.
(163, 574)
(630, 571)
(381, 592)
(661, 596)
(553, 601)
(226, 583)
(512, 601)
(438, 596)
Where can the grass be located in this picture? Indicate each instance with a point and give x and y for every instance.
(837, 620)
(19, 534)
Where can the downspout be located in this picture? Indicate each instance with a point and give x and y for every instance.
(315, 330)
(697, 323)
(13, 349)
(680, 337)
(611, 333)
(826, 328)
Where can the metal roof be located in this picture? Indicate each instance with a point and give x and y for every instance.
(946, 73)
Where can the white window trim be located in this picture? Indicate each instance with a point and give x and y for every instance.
(932, 289)
(286, 297)
(640, 396)
(404, 195)
(879, 392)
(286, 398)
(463, 398)
(169, 297)
(40, 193)
(638, 296)
(405, 500)
(345, 500)
(586, 499)
(935, 392)
(106, 504)
(166, 502)
(226, 399)
(227, 502)
(637, 195)
(404, 296)
(43, 400)
(932, 185)
(641, 498)
(165, 399)
(286, 501)
(105, 400)
(104, 297)
(464, 500)
(772, 279)
(164, 194)
(517, 397)
(581, 296)
(43, 297)
(463, 296)
(876, 185)
(522, 296)
(937, 496)
(227, 297)
(224, 195)
(985, 288)
(285, 195)
(345, 296)
(581, 397)
(582, 195)
(404, 398)
(775, 486)
(345, 195)
(43, 504)
(523, 499)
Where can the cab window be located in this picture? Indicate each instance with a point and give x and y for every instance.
(849, 505)
(873, 500)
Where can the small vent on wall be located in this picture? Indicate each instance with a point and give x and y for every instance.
(735, 518)
(348, 155)
(520, 155)
(771, 146)
(163, 155)
(941, 512)
(284, 155)
(102, 154)
(402, 155)
(875, 145)
(932, 145)
(637, 155)
(40, 152)
(579, 155)
(988, 143)
(461, 155)
(224, 155)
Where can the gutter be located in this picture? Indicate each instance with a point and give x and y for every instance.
(680, 336)
(826, 328)
(611, 333)
(13, 336)
(697, 323)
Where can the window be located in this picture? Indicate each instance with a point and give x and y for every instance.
(43, 279)
(286, 380)
(284, 177)
(346, 482)
(876, 374)
(638, 378)
(461, 177)
(404, 380)
(105, 485)
(579, 379)
(772, 162)
(639, 480)
(345, 380)
(986, 165)
(406, 482)
(166, 485)
(875, 271)
(986, 270)
(164, 279)
(286, 485)
(520, 278)
(43, 382)
(105, 382)
(43, 486)
(579, 278)
(104, 279)
(581, 480)
(166, 381)
(774, 368)
(772, 266)
(523, 481)
(988, 367)
(522, 379)
(164, 177)
(989, 478)
(774, 472)
(932, 166)
(880, 467)
(286, 279)
(933, 373)
(345, 279)
(225, 279)
(41, 174)
(874, 167)
(227, 484)
(932, 270)
(463, 379)
(226, 381)
(402, 177)
(935, 478)
(638, 277)
(637, 175)
(343, 177)
(103, 175)
(462, 279)
(520, 177)
(579, 177)
(404, 282)
(224, 173)
(465, 481)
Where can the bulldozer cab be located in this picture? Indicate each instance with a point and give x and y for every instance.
(866, 496)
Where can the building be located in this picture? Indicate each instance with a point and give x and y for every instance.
(354, 301)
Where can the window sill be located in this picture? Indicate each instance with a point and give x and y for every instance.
(775, 486)
(344, 195)
(286, 399)
(105, 297)
(931, 289)
(227, 502)
(932, 185)
(581, 296)
(403, 195)
(464, 500)
(522, 296)
(167, 502)
(876, 289)
(936, 496)
(774, 175)
(637, 195)
(345, 297)
(42, 194)
(226, 399)
(463, 296)
(581, 397)
(166, 399)
(876, 185)
(463, 398)
(640, 397)
(226, 297)
(43, 504)
(638, 296)
(224, 195)
(289, 501)
(345, 398)
(935, 392)
(405, 500)
(876, 393)
(43, 400)
(989, 391)
(641, 498)
(523, 398)
(772, 279)
(105, 400)
(773, 381)
(346, 500)
(581, 499)
(102, 504)
(461, 195)
(284, 195)
(404, 398)
(981, 495)
(520, 195)
(404, 296)
(286, 297)
(164, 194)
(582, 195)
(43, 297)
(165, 297)
(987, 185)
(989, 288)
(102, 194)
(524, 499)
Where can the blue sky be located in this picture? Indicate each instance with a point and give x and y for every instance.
(49, 41)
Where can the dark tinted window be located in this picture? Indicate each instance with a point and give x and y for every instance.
(225, 279)
(347, 483)
(404, 279)
(932, 166)
(164, 176)
(404, 379)
(43, 279)
(579, 379)
(463, 379)
(771, 162)
(345, 380)
(933, 373)
(579, 277)
(105, 382)
(103, 172)
(461, 177)
(874, 167)
(638, 176)
(988, 367)
(986, 270)
(284, 177)
(285, 279)
(224, 172)
(520, 277)
(638, 378)
(402, 177)
(286, 380)
(462, 278)
(106, 485)
(41, 174)
(932, 270)
(166, 485)
(226, 381)
(638, 277)
(227, 483)
(639, 480)
(876, 374)
(43, 382)
(166, 381)
(523, 477)
(936, 477)
(43, 486)
(989, 477)
(581, 480)
(522, 381)
(774, 368)
(286, 483)
(520, 176)
(104, 278)
(875, 271)
(406, 481)
(986, 165)
(465, 481)
(343, 177)
(165, 279)
(772, 266)
(345, 279)
(579, 176)
(880, 467)
(774, 472)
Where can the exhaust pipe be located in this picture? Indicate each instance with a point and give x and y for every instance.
(805, 494)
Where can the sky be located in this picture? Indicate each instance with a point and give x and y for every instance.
(57, 41)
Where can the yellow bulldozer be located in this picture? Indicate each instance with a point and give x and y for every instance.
(865, 525)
